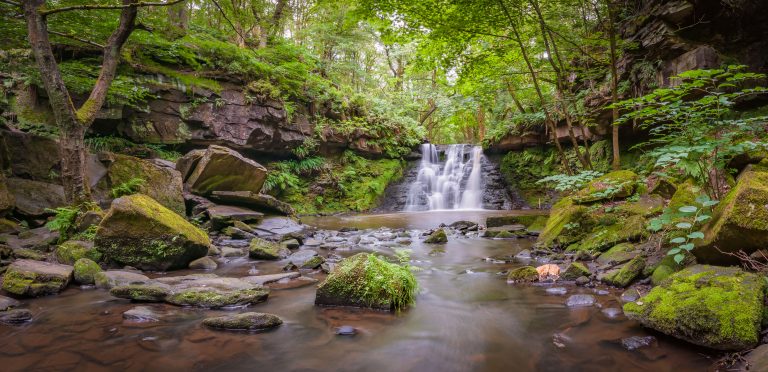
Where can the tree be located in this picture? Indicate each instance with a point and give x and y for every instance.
(71, 121)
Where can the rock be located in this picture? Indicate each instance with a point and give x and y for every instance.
(564, 215)
(72, 250)
(38, 239)
(8, 226)
(85, 271)
(558, 291)
(498, 221)
(352, 284)
(623, 276)
(575, 270)
(299, 258)
(149, 292)
(715, 307)
(603, 237)
(8, 303)
(32, 198)
(548, 272)
(524, 255)
(582, 280)
(225, 215)
(88, 219)
(504, 235)
(261, 249)
(187, 163)
(15, 316)
(463, 226)
(619, 254)
(664, 188)
(291, 244)
(615, 185)
(244, 322)
(312, 263)
(29, 254)
(7, 200)
(141, 314)
(637, 342)
(161, 183)
(523, 274)
(238, 234)
(612, 312)
(217, 298)
(203, 263)
(630, 295)
(281, 226)
(346, 330)
(739, 222)
(260, 202)
(224, 169)
(757, 359)
(437, 237)
(139, 232)
(580, 300)
(667, 266)
(114, 278)
(266, 279)
(35, 278)
(231, 252)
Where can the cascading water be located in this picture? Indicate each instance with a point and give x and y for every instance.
(454, 184)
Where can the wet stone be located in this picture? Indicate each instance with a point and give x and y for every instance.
(244, 322)
(630, 295)
(7, 303)
(346, 331)
(612, 312)
(582, 280)
(141, 314)
(15, 316)
(580, 300)
(558, 291)
(637, 342)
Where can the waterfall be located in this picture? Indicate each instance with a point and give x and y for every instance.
(453, 184)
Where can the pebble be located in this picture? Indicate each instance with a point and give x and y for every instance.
(580, 300)
(559, 291)
(582, 280)
(637, 342)
(346, 330)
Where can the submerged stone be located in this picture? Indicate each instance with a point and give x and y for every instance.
(346, 331)
(637, 342)
(437, 237)
(244, 322)
(15, 316)
(715, 307)
(580, 300)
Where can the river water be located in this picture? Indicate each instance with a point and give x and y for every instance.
(466, 318)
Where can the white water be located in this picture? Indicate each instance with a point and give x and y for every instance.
(454, 184)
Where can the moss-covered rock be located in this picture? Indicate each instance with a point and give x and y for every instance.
(365, 280)
(664, 188)
(224, 169)
(685, 194)
(620, 253)
(604, 237)
(740, 221)
(647, 205)
(150, 292)
(260, 249)
(523, 274)
(163, 184)
(217, 298)
(244, 322)
(29, 254)
(505, 235)
(72, 250)
(85, 271)
(614, 185)
(667, 266)
(575, 270)
(7, 200)
(114, 278)
(437, 237)
(35, 278)
(711, 306)
(528, 220)
(139, 232)
(624, 275)
(567, 223)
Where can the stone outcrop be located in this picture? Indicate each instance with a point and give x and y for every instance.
(32, 198)
(260, 202)
(139, 232)
(223, 169)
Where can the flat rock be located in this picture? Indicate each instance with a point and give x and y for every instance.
(34, 197)
(580, 300)
(15, 316)
(7, 303)
(223, 169)
(266, 279)
(249, 199)
(203, 263)
(244, 322)
(279, 226)
(299, 258)
(115, 278)
(142, 314)
(36, 278)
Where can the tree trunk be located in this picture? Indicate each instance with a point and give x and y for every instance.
(72, 151)
(616, 163)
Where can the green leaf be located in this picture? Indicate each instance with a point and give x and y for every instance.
(710, 203)
(679, 258)
(683, 225)
(673, 251)
(677, 240)
(696, 235)
(688, 209)
(687, 247)
(703, 217)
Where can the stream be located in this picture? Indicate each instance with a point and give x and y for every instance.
(466, 317)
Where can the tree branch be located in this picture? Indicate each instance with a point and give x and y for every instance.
(73, 37)
(101, 7)
(11, 3)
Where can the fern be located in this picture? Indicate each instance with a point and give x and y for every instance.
(129, 187)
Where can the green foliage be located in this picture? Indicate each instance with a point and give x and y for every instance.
(564, 182)
(65, 218)
(682, 226)
(694, 130)
(285, 175)
(129, 187)
(124, 146)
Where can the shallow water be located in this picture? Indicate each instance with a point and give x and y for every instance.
(466, 318)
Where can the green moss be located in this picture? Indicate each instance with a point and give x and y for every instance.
(27, 283)
(620, 253)
(684, 195)
(523, 274)
(160, 184)
(617, 184)
(72, 250)
(85, 271)
(29, 254)
(439, 237)
(313, 262)
(567, 223)
(213, 298)
(711, 306)
(604, 237)
(141, 292)
(575, 270)
(261, 249)
(369, 281)
(648, 205)
(623, 276)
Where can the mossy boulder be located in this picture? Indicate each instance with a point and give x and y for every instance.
(85, 271)
(139, 232)
(150, 292)
(603, 237)
(620, 253)
(187, 163)
(7, 200)
(614, 185)
(437, 237)
(739, 222)
(647, 205)
(567, 223)
(575, 270)
(260, 249)
(523, 274)
(664, 188)
(667, 266)
(244, 322)
(685, 194)
(72, 250)
(35, 278)
(497, 221)
(366, 280)
(217, 298)
(715, 307)
(161, 183)
(224, 169)
(624, 275)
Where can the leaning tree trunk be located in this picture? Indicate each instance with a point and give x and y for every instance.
(72, 151)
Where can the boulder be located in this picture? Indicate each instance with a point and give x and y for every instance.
(300, 258)
(739, 222)
(614, 185)
(261, 249)
(139, 232)
(187, 163)
(260, 202)
(160, 183)
(213, 292)
(715, 307)
(602, 237)
(145, 292)
(72, 250)
(30, 156)
(437, 237)
(35, 278)
(244, 322)
(225, 215)
(624, 275)
(114, 278)
(224, 169)
(204, 263)
(34, 197)
(38, 239)
(85, 271)
(574, 271)
(567, 223)
(7, 200)
(619, 254)
(523, 275)
(365, 280)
